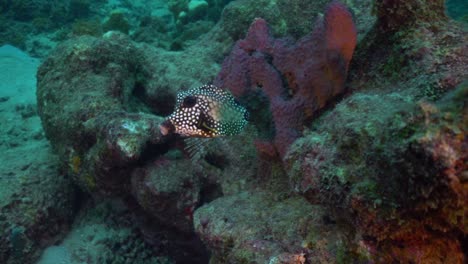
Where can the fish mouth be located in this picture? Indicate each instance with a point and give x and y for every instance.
(166, 127)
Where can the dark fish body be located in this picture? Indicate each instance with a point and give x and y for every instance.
(206, 112)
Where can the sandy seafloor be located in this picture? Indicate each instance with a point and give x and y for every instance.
(20, 127)
(22, 143)
(25, 153)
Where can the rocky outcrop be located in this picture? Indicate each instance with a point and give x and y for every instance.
(264, 228)
(398, 170)
(97, 111)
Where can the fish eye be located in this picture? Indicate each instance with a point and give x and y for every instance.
(189, 101)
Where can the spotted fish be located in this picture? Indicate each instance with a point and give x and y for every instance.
(206, 112)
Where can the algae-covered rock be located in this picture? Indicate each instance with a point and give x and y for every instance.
(124, 88)
(391, 153)
(425, 50)
(169, 190)
(294, 18)
(100, 74)
(257, 228)
(395, 15)
(100, 101)
(172, 71)
(389, 162)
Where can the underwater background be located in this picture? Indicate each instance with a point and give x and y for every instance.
(333, 132)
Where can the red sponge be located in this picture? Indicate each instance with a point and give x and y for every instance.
(340, 32)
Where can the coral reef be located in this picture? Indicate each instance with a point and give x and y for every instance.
(424, 51)
(123, 85)
(31, 24)
(299, 79)
(89, 61)
(388, 162)
(368, 170)
(391, 155)
(42, 24)
(113, 146)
